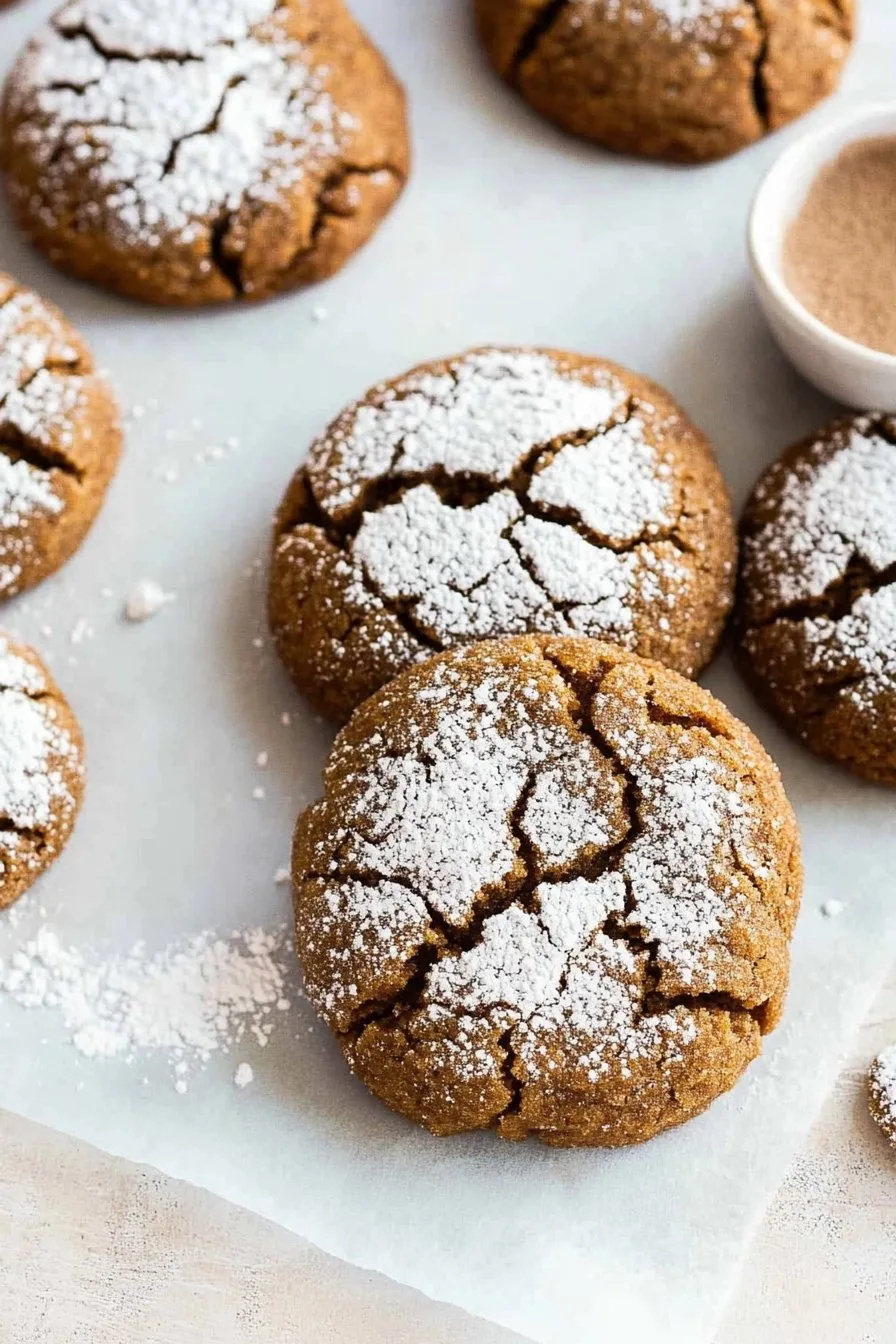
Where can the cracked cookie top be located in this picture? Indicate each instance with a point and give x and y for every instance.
(549, 890)
(817, 608)
(501, 492)
(59, 439)
(882, 1080)
(41, 770)
(197, 152)
(686, 80)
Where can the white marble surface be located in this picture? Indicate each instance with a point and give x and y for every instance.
(509, 232)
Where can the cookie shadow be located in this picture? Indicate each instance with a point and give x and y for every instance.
(729, 374)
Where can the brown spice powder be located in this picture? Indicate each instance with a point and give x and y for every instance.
(840, 251)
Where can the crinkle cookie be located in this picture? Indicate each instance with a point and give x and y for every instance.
(194, 152)
(817, 605)
(41, 770)
(501, 492)
(549, 891)
(882, 1082)
(687, 80)
(60, 439)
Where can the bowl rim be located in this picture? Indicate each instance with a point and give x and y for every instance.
(860, 119)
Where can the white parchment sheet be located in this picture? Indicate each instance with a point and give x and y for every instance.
(509, 232)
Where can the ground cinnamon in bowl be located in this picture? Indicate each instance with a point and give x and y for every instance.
(840, 250)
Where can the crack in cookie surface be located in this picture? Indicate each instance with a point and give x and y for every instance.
(41, 770)
(187, 153)
(688, 80)
(503, 492)
(882, 1086)
(607, 889)
(817, 611)
(59, 439)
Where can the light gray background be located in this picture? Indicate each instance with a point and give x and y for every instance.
(509, 232)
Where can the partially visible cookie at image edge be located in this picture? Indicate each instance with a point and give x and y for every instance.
(41, 769)
(549, 890)
(882, 1085)
(196, 153)
(504, 491)
(686, 80)
(60, 439)
(816, 611)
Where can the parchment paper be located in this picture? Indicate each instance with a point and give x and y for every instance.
(509, 232)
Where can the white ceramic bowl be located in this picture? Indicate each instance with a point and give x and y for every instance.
(842, 368)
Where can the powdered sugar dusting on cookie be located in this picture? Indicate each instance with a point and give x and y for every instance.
(701, 19)
(844, 505)
(179, 114)
(614, 483)
(683, 890)
(560, 819)
(482, 418)
(25, 491)
(513, 560)
(138, 28)
(35, 750)
(31, 335)
(556, 980)
(42, 395)
(43, 410)
(836, 511)
(488, 782)
(386, 923)
(438, 817)
(883, 1091)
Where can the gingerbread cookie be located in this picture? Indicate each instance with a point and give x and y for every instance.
(549, 891)
(882, 1082)
(41, 770)
(817, 605)
(60, 439)
(686, 80)
(197, 152)
(501, 492)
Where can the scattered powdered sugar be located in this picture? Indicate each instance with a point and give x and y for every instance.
(244, 1075)
(178, 113)
(883, 1090)
(191, 1000)
(443, 820)
(145, 600)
